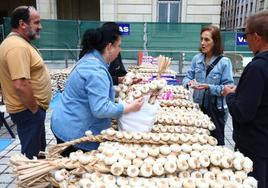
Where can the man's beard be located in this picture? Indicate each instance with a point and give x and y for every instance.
(32, 35)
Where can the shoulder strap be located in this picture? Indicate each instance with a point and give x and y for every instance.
(212, 65)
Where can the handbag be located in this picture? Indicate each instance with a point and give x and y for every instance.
(216, 115)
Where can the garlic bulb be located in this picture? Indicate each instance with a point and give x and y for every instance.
(85, 159)
(84, 183)
(204, 161)
(158, 169)
(109, 179)
(61, 175)
(132, 171)
(247, 165)
(88, 133)
(226, 161)
(202, 183)
(170, 166)
(142, 153)
(165, 149)
(182, 164)
(189, 183)
(117, 169)
(121, 181)
(209, 175)
(137, 162)
(251, 182)
(110, 160)
(146, 170)
(153, 151)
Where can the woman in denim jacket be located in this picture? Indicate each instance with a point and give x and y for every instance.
(87, 102)
(213, 83)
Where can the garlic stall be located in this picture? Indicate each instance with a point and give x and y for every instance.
(178, 151)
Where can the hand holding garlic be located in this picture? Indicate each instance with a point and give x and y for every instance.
(134, 106)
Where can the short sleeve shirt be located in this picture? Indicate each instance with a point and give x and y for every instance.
(20, 60)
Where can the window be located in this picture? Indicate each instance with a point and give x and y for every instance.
(251, 7)
(261, 5)
(169, 11)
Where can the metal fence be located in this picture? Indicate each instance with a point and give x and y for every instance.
(179, 63)
(60, 39)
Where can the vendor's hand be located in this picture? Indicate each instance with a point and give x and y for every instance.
(228, 89)
(134, 106)
(120, 79)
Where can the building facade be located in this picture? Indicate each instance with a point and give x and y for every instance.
(235, 12)
(205, 11)
(188, 11)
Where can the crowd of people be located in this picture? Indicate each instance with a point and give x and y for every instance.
(87, 103)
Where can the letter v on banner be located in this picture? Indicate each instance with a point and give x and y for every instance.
(240, 41)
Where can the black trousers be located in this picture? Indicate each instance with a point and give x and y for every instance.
(260, 167)
(31, 131)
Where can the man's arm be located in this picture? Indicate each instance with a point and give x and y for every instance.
(25, 94)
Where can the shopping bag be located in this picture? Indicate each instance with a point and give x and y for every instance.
(140, 121)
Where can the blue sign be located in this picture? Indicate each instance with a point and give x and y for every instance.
(240, 41)
(124, 28)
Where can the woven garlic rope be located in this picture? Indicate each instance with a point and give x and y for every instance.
(29, 171)
(57, 149)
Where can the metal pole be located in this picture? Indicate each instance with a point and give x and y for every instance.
(66, 59)
(180, 64)
(79, 38)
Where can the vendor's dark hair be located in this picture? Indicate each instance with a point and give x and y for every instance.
(98, 39)
(20, 13)
(216, 36)
(110, 25)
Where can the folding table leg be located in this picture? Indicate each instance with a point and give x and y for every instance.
(3, 120)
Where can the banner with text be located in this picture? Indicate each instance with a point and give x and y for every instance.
(240, 41)
(124, 28)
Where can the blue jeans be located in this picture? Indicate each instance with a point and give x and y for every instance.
(31, 131)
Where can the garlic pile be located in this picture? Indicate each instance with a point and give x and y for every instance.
(177, 116)
(179, 129)
(58, 79)
(129, 92)
(182, 162)
(152, 160)
(179, 102)
(179, 152)
(204, 179)
(157, 138)
(153, 69)
(178, 92)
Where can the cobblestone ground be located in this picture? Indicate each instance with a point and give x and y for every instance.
(7, 179)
